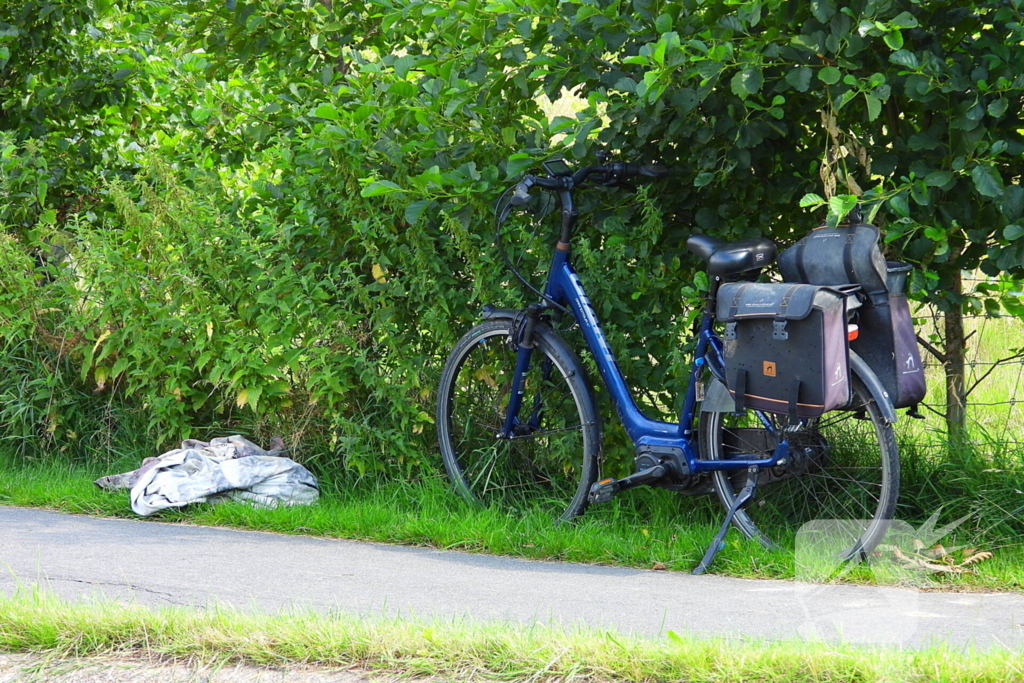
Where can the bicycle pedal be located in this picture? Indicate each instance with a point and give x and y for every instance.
(602, 491)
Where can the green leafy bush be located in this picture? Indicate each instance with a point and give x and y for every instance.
(301, 227)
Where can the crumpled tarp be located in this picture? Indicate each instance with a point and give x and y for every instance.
(226, 468)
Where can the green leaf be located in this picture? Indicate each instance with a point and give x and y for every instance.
(874, 106)
(830, 75)
(747, 82)
(842, 204)
(517, 163)
(414, 210)
(823, 10)
(403, 64)
(703, 179)
(800, 78)
(894, 39)
(938, 178)
(327, 111)
(987, 180)
(250, 396)
(904, 20)
(663, 24)
(998, 108)
(900, 205)
(904, 58)
(1013, 202)
(362, 113)
(873, 212)
(1013, 232)
(845, 99)
(380, 187)
(811, 199)
(402, 89)
(625, 84)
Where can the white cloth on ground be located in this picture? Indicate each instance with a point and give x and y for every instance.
(228, 468)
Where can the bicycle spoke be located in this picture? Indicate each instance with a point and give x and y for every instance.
(842, 468)
(548, 466)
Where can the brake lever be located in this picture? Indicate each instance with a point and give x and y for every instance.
(654, 171)
(617, 181)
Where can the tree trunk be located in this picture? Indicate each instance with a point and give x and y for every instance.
(955, 367)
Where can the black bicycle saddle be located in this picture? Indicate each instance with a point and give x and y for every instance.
(730, 258)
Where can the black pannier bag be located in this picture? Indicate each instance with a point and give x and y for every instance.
(849, 254)
(785, 347)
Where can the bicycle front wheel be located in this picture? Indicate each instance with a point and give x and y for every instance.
(843, 466)
(551, 460)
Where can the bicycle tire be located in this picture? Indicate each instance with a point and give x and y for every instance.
(551, 466)
(851, 472)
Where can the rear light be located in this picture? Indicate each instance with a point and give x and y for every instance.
(852, 332)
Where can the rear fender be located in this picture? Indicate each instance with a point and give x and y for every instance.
(874, 385)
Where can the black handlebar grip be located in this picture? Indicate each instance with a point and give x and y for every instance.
(521, 195)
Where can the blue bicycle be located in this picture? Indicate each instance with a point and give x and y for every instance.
(517, 423)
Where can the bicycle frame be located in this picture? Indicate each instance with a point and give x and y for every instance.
(564, 286)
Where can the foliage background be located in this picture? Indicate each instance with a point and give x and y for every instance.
(273, 217)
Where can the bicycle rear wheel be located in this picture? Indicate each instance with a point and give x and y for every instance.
(551, 460)
(842, 466)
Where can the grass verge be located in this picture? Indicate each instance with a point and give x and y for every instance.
(39, 622)
(644, 529)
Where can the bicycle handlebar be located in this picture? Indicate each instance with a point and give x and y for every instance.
(617, 171)
(614, 173)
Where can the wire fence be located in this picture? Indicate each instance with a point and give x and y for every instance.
(994, 371)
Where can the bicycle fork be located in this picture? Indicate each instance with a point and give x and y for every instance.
(524, 345)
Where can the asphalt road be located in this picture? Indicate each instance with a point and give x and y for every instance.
(170, 564)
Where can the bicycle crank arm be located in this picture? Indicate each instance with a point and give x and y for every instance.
(602, 491)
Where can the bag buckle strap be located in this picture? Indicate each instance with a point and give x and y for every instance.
(779, 325)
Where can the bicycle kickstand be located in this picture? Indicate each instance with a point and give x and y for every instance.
(741, 501)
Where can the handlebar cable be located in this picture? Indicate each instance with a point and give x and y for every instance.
(618, 172)
(501, 213)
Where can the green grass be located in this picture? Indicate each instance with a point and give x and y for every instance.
(464, 651)
(637, 529)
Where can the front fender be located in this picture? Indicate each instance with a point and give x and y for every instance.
(490, 311)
